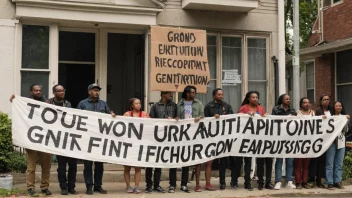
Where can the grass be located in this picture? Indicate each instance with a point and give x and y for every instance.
(12, 193)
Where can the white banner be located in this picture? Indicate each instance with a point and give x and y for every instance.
(167, 143)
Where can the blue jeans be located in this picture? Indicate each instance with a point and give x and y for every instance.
(278, 169)
(334, 164)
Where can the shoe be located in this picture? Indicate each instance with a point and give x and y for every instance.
(209, 187)
(129, 190)
(269, 186)
(159, 189)
(249, 187)
(171, 189)
(100, 190)
(137, 190)
(290, 185)
(185, 189)
(64, 192)
(306, 186)
(89, 191)
(330, 187)
(222, 186)
(260, 186)
(198, 189)
(148, 190)
(234, 186)
(46, 192)
(321, 185)
(72, 191)
(338, 185)
(277, 186)
(31, 192)
(298, 186)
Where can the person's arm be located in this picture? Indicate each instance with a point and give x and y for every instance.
(68, 105)
(80, 105)
(230, 110)
(127, 113)
(12, 97)
(201, 113)
(242, 109)
(108, 110)
(152, 112)
(145, 115)
(207, 111)
(274, 111)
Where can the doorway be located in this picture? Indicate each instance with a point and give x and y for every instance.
(125, 70)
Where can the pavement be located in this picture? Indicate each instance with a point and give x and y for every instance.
(117, 189)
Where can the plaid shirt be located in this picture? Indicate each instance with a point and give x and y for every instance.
(160, 110)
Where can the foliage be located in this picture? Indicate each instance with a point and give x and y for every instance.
(308, 10)
(17, 163)
(5, 141)
(12, 193)
(347, 167)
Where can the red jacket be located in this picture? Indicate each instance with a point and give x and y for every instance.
(245, 109)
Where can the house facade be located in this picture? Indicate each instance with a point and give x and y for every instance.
(78, 42)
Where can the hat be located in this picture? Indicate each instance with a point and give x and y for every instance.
(94, 85)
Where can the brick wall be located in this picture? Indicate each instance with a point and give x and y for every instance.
(324, 76)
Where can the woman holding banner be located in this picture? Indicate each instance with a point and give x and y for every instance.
(134, 111)
(302, 164)
(336, 152)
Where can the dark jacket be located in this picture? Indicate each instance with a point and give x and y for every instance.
(160, 110)
(278, 110)
(66, 103)
(221, 108)
(319, 111)
(99, 106)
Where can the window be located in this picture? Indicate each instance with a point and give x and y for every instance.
(35, 58)
(343, 79)
(310, 81)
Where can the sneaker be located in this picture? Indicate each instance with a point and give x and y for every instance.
(185, 189)
(269, 186)
(171, 189)
(64, 192)
(148, 190)
(89, 191)
(330, 187)
(198, 189)
(46, 192)
(72, 191)
(222, 186)
(31, 192)
(338, 185)
(234, 186)
(137, 190)
(306, 186)
(159, 189)
(277, 186)
(260, 186)
(129, 190)
(290, 185)
(298, 186)
(100, 190)
(249, 187)
(321, 185)
(209, 187)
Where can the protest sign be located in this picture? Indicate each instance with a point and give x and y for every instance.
(166, 143)
(178, 58)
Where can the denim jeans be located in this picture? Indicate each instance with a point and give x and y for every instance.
(334, 164)
(278, 169)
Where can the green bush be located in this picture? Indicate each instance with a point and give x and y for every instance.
(17, 163)
(5, 141)
(347, 167)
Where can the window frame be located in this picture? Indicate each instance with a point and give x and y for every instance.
(335, 70)
(332, 4)
(306, 84)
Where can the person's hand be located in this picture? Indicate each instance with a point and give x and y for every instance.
(196, 119)
(177, 118)
(12, 97)
(217, 116)
(251, 113)
(169, 117)
(113, 114)
(265, 114)
(348, 116)
(323, 116)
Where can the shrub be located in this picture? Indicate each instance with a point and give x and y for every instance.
(5, 141)
(347, 167)
(17, 163)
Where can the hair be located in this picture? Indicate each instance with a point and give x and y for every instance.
(164, 92)
(33, 85)
(216, 91)
(248, 95)
(188, 90)
(321, 99)
(301, 101)
(280, 99)
(130, 103)
(343, 111)
(54, 87)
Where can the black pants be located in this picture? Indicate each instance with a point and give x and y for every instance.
(222, 169)
(184, 177)
(70, 182)
(317, 169)
(268, 162)
(149, 175)
(236, 171)
(98, 174)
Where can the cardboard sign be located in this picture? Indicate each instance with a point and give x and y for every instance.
(178, 58)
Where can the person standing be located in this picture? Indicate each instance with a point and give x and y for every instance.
(93, 103)
(188, 107)
(302, 164)
(134, 105)
(283, 108)
(336, 152)
(215, 108)
(317, 165)
(32, 156)
(67, 184)
(164, 109)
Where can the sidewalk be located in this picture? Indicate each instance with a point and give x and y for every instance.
(118, 190)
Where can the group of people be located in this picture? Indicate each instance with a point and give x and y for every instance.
(308, 172)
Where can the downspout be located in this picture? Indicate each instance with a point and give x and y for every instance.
(321, 22)
(281, 47)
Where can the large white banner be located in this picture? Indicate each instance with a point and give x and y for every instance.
(167, 143)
